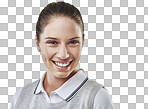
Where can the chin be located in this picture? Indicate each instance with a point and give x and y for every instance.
(62, 75)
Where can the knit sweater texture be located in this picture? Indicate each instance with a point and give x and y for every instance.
(83, 98)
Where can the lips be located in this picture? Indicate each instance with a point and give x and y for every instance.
(62, 63)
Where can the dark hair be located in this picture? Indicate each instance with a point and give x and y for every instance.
(58, 9)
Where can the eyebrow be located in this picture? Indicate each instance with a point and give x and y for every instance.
(74, 38)
(51, 38)
(58, 39)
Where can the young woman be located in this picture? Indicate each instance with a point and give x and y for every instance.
(59, 39)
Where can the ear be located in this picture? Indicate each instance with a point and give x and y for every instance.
(37, 44)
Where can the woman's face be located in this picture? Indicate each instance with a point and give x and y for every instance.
(60, 46)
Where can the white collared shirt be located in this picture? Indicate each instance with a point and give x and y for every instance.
(102, 98)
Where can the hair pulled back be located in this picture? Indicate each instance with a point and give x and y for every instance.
(58, 9)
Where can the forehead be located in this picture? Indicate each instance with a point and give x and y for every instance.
(62, 27)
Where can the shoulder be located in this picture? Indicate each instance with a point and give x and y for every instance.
(92, 87)
(19, 91)
(15, 98)
(103, 100)
(31, 85)
(94, 84)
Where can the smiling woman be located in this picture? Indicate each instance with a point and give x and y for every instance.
(59, 39)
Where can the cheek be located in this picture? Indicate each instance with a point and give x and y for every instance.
(76, 52)
(47, 52)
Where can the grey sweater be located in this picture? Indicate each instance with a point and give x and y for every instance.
(82, 99)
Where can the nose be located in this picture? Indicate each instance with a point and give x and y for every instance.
(62, 52)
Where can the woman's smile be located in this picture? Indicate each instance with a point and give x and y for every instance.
(62, 65)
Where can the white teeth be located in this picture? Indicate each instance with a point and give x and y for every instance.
(62, 65)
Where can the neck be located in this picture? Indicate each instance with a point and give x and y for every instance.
(52, 83)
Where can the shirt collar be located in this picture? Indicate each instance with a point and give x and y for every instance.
(69, 88)
(39, 87)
